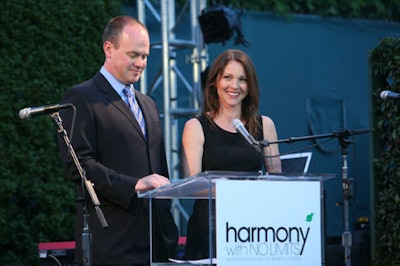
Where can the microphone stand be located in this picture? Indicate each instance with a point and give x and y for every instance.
(86, 235)
(346, 182)
(343, 132)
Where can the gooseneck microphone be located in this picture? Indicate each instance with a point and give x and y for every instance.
(35, 111)
(389, 95)
(238, 125)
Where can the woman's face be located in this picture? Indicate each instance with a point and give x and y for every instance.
(232, 85)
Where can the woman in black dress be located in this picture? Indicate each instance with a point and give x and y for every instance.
(211, 143)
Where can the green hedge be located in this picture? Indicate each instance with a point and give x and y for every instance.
(365, 9)
(385, 62)
(46, 46)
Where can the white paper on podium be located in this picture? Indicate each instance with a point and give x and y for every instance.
(198, 262)
(268, 223)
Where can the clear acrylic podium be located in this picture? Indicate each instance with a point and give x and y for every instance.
(273, 219)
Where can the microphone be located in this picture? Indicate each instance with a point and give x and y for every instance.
(34, 111)
(238, 125)
(389, 95)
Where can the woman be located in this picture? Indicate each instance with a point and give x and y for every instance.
(211, 143)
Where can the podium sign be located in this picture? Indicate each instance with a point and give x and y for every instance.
(268, 222)
(260, 219)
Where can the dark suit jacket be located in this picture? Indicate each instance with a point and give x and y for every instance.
(114, 154)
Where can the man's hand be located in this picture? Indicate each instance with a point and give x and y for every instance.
(150, 182)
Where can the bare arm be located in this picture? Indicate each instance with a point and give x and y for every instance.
(272, 160)
(192, 147)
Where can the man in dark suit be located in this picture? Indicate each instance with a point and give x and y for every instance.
(117, 157)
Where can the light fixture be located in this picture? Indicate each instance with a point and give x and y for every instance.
(218, 23)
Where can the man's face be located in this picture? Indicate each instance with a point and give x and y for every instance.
(127, 59)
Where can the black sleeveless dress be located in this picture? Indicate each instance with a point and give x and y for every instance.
(223, 151)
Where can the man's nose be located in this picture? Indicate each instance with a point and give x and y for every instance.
(140, 61)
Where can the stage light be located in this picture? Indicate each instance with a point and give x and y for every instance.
(218, 24)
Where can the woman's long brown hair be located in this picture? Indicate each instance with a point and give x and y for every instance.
(250, 104)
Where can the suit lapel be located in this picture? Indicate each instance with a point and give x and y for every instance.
(118, 102)
(149, 112)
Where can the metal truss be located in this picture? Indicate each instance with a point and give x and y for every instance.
(171, 79)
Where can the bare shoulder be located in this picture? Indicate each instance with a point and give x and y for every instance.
(192, 124)
(267, 122)
(193, 129)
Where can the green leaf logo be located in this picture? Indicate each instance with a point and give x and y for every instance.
(309, 217)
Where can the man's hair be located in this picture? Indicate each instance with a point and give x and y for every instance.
(115, 26)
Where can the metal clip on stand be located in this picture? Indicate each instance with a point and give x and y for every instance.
(346, 182)
(86, 235)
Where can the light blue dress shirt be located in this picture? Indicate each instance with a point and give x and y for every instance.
(116, 84)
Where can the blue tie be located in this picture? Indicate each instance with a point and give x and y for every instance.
(134, 106)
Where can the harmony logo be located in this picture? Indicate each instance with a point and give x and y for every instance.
(269, 240)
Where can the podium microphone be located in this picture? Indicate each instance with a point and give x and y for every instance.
(386, 95)
(238, 125)
(35, 111)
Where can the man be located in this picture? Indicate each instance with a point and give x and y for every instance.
(117, 157)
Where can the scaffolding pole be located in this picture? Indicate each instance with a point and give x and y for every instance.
(170, 74)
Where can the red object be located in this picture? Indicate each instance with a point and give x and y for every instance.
(56, 249)
(182, 240)
(57, 245)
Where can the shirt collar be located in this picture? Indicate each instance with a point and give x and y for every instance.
(115, 84)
